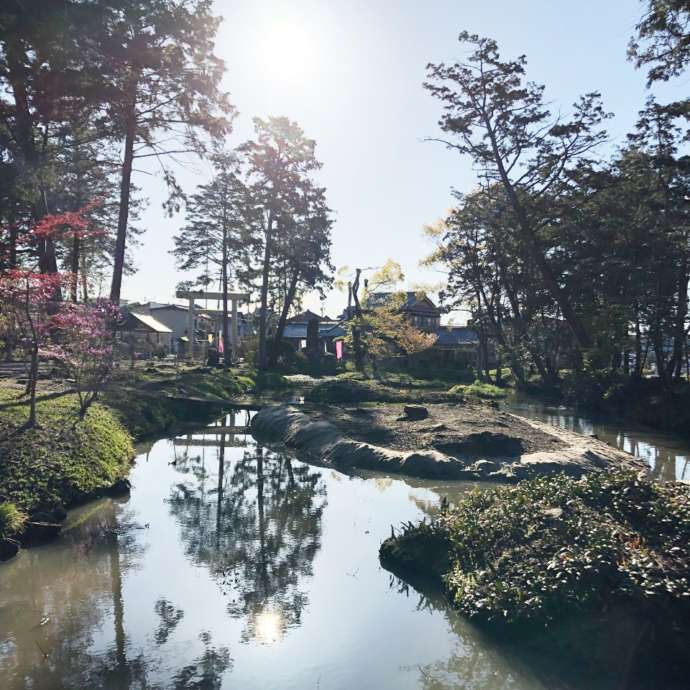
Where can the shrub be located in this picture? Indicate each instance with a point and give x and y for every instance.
(11, 520)
(479, 390)
(549, 546)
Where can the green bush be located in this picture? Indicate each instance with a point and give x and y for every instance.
(550, 546)
(11, 520)
(479, 390)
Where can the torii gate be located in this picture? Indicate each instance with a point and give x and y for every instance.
(233, 297)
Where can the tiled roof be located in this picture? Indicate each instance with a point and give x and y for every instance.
(456, 335)
(413, 301)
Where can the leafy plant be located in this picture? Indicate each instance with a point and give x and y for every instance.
(550, 546)
(479, 390)
(11, 520)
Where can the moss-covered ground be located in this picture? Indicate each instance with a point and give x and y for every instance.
(63, 459)
(154, 402)
(66, 459)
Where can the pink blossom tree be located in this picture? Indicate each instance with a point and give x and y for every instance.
(83, 344)
(26, 297)
(32, 309)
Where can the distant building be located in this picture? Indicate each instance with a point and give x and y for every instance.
(207, 322)
(306, 316)
(296, 328)
(142, 334)
(453, 342)
(420, 310)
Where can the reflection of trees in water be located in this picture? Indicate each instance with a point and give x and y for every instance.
(256, 525)
(477, 664)
(587, 654)
(206, 672)
(169, 619)
(55, 600)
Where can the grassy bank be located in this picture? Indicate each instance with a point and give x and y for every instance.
(150, 403)
(63, 460)
(617, 396)
(643, 401)
(550, 548)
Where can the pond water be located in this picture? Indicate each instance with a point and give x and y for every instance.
(667, 454)
(232, 566)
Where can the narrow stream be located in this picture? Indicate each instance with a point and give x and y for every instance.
(232, 566)
(668, 455)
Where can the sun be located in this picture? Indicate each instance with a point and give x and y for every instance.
(288, 50)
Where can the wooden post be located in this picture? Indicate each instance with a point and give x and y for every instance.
(191, 295)
(234, 330)
(190, 330)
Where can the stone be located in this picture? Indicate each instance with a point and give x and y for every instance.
(484, 467)
(415, 412)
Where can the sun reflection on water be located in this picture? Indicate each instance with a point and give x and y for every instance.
(268, 627)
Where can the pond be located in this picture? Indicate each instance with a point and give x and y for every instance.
(667, 454)
(233, 566)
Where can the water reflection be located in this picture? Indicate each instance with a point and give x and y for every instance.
(235, 566)
(668, 455)
(255, 522)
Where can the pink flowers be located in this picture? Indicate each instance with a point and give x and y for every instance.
(34, 318)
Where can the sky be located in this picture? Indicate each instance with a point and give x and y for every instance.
(350, 72)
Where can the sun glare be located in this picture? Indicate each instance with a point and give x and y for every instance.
(268, 626)
(288, 50)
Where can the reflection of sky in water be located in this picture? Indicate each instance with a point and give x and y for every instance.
(234, 566)
(668, 455)
(254, 571)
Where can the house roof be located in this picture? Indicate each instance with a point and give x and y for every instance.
(159, 305)
(151, 323)
(413, 302)
(456, 335)
(327, 329)
(306, 316)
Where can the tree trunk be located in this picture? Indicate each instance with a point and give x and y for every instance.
(356, 335)
(289, 298)
(125, 189)
(84, 281)
(74, 268)
(31, 385)
(227, 349)
(263, 355)
(679, 335)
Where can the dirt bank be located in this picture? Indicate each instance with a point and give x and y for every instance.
(469, 441)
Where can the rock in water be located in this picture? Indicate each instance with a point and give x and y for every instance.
(416, 412)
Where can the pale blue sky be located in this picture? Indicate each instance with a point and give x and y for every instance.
(354, 85)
